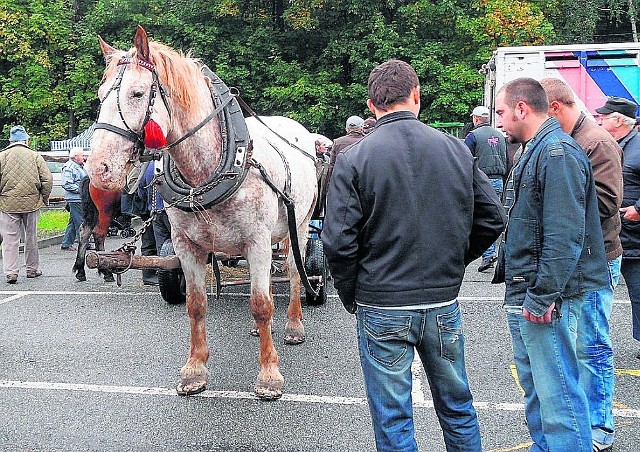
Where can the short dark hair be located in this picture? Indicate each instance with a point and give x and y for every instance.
(557, 91)
(391, 82)
(528, 90)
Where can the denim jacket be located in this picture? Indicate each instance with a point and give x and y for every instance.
(553, 245)
(71, 178)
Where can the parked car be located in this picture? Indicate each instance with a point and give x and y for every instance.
(55, 161)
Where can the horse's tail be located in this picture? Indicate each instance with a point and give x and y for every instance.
(90, 211)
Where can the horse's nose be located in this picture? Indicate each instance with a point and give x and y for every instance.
(100, 170)
(104, 171)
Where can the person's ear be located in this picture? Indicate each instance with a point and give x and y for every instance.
(371, 107)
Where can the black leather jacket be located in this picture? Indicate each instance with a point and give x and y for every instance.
(407, 209)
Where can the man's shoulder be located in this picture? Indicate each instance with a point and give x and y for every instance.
(590, 135)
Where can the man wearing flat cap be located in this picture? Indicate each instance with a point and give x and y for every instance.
(618, 117)
(25, 186)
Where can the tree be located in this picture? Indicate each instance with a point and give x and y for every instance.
(33, 80)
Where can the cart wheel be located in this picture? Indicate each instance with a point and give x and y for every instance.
(316, 265)
(171, 282)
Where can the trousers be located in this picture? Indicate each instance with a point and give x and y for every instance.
(11, 225)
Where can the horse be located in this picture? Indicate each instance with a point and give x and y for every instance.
(230, 185)
(99, 208)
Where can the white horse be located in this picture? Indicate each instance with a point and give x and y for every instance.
(152, 94)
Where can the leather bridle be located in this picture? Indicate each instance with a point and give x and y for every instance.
(127, 132)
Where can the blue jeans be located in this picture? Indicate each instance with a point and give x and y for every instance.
(73, 226)
(595, 356)
(387, 341)
(497, 185)
(555, 404)
(631, 272)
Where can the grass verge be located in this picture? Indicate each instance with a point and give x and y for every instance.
(52, 222)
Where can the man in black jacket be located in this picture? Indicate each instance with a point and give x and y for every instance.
(408, 208)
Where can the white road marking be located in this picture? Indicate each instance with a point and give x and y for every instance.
(417, 393)
(13, 297)
(305, 398)
(238, 294)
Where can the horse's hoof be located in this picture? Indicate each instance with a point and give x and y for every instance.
(294, 335)
(109, 278)
(293, 339)
(268, 390)
(190, 388)
(81, 277)
(256, 333)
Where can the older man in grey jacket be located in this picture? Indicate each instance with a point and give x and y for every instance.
(25, 186)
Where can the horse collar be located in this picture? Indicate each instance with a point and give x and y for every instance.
(233, 168)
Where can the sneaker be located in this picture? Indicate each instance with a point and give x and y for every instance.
(12, 279)
(34, 274)
(487, 263)
(68, 248)
(599, 447)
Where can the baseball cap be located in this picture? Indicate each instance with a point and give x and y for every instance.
(619, 105)
(480, 111)
(354, 122)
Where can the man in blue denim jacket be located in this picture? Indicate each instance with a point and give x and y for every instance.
(551, 255)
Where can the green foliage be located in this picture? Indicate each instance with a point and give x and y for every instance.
(308, 59)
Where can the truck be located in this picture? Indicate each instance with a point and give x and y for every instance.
(593, 71)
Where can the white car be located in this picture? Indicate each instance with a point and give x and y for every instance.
(55, 161)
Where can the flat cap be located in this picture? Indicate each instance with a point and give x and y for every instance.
(619, 105)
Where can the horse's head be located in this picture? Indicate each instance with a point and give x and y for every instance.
(134, 112)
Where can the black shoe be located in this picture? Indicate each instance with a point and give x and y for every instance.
(487, 263)
(12, 279)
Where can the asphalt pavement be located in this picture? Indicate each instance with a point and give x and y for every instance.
(93, 366)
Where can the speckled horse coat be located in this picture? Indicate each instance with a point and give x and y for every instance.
(247, 223)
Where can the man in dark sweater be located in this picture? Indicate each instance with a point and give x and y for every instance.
(408, 208)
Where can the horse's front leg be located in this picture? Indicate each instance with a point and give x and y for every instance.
(294, 329)
(194, 375)
(270, 381)
(83, 241)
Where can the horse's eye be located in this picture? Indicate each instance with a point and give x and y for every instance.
(137, 94)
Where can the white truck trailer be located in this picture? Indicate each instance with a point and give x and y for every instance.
(593, 71)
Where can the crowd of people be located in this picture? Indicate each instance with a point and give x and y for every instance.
(559, 223)
(558, 219)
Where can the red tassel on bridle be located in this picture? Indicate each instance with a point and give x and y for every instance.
(153, 136)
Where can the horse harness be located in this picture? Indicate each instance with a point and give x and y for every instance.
(234, 163)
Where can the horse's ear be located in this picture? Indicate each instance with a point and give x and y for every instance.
(106, 48)
(141, 42)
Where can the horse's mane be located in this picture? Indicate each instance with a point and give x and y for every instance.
(177, 71)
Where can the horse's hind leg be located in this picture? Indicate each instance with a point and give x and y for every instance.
(270, 381)
(294, 329)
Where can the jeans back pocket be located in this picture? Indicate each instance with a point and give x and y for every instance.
(386, 336)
